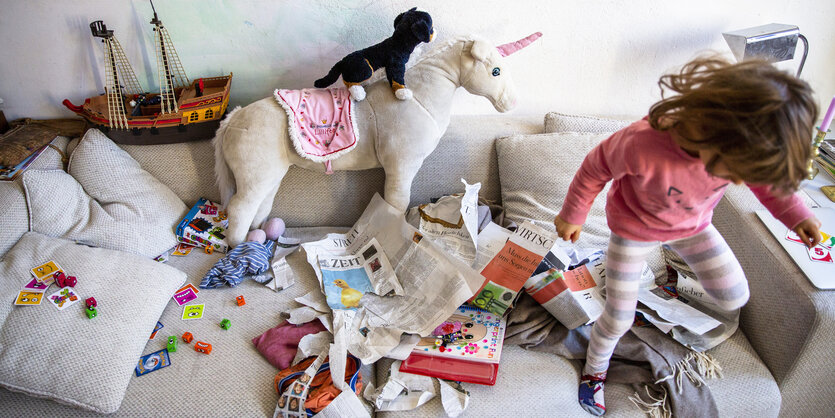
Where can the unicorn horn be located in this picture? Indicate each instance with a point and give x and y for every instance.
(512, 47)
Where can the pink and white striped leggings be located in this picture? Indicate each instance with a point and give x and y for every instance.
(707, 253)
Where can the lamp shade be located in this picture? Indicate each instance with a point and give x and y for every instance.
(775, 42)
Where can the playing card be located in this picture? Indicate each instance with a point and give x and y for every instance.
(44, 272)
(153, 361)
(64, 297)
(821, 254)
(157, 327)
(162, 258)
(188, 286)
(35, 286)
(193, 312)
(28, 298)
(828, 240)
(185, 296)
(793, 237)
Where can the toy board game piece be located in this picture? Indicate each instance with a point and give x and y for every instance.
(91, 302)
(35, 286)
(26, 298)
(60, 278)
(209, 249)
(172, 344)
(240, 300)
(187, 337)
(225, 323)
(184, 296)
(157, 327)
(91, 312)
(193, 312)
(45, 272)
(64, 297)
(202, 347)
(70, 281)
(182, 249)
(152, 362)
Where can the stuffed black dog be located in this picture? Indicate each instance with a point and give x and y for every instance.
(410, 29)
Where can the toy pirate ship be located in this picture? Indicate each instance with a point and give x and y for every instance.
(181, 111)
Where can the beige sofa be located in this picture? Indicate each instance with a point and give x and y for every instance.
(778, 363)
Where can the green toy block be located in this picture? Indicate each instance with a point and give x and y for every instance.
(225, 324)
(172, 344)
(92, 312)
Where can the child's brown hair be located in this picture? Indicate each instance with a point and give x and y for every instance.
(759, 119)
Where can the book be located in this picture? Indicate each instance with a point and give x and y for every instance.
(467, 347)
(11, 173)
(204, 225)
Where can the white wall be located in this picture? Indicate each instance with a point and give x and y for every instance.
(600, 57)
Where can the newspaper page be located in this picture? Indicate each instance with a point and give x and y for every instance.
(282, 275)
(345, 278)
(490, 241)
(433, 283)
(574, 297)
(691, 290)
(506, 273)
(670, 308)
(452, 222)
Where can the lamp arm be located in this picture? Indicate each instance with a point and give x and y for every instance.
(805, 52)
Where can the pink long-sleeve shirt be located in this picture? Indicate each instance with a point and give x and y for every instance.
(659, 192)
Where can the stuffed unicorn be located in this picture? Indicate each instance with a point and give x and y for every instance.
(410, 29)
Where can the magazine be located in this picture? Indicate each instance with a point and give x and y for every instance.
(11, 173)
(467, 347)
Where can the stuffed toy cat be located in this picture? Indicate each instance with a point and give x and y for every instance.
(410, 29)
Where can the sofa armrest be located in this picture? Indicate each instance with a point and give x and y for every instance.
(790, 323)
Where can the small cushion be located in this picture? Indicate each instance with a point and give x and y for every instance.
(61, 354)
(535, 172)
(560, 122)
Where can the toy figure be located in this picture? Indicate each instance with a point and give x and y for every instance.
(410, 29)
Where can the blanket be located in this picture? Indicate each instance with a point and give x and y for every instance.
(670, 373)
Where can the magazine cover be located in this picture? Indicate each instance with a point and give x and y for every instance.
(204, 225)
(466, 347)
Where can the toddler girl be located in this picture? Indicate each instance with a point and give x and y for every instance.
(726, 123)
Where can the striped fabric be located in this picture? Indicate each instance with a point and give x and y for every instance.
(707, 253)
(248, 258)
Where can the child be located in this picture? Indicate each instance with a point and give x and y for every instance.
(726, 123)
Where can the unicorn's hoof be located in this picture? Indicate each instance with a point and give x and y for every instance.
(357, 93)
(403, 94)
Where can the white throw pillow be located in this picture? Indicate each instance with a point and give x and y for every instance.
(535, 172)
(61, 354)
(561, 122)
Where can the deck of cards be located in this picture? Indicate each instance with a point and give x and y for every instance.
(820, 253)
(42, 277)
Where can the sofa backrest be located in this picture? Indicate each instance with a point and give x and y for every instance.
(306, 198)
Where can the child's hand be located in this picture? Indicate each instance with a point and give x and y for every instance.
(568, 231)
(809, 231)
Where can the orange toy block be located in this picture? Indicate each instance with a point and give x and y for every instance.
(202, 347)
(240, 300)
(187, 337)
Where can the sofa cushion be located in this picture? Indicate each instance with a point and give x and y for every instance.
(561, 122)
(60, 207)
(535, 172)
(63, 355)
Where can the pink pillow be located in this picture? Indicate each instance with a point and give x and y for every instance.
(279, 344)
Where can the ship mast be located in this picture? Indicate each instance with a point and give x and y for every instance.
(117, 71)
(169, 69)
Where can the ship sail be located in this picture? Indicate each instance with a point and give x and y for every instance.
(119, 75)
(170, 71)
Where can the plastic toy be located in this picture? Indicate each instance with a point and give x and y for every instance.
(91, 312)
(172, 344)
(410, 29)
(273, 228)
(209, 249)
(70, 281)
(225, 324)
(240, 300)
(187, 337)
(202, 347)
(60, 278)
(257, 235)
(91, 302)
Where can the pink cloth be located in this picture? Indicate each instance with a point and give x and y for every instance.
(659, 192)
(279, 344)
(322, 126)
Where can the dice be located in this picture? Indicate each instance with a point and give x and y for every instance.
(70, 281)
(91, 312)
(187, 337)
(172, 344)
(240, 300)
(60, 278)
(91, 302)
(202, 347)
(225, 323)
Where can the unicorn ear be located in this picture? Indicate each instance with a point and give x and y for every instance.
(480, 50)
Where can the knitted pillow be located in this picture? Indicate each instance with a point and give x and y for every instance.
(560, 122)
(61, 354)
